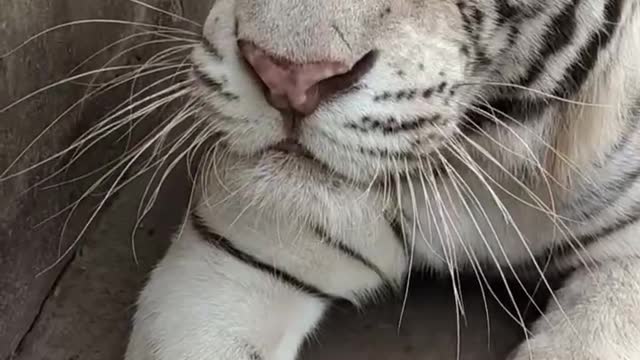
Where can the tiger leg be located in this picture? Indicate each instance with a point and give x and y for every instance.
(596, 317)
(202, 303)
(257, 292)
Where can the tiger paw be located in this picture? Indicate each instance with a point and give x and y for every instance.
(593, 317)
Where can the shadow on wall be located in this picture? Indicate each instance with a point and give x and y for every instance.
(30, 232)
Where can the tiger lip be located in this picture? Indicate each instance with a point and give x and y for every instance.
(293, 147)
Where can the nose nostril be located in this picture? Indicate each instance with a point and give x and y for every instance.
(301, 87)
(345, 81)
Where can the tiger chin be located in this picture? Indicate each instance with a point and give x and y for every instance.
(358, 140)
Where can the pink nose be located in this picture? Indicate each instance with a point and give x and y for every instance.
(291, 86)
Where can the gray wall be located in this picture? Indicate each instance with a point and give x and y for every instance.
(28, 243)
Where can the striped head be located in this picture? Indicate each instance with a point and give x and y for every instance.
(367, 87)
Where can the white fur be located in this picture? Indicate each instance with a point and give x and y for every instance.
(202, 303)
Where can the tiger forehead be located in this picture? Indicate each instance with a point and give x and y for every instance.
(338, 29)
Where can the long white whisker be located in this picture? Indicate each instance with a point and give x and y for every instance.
(145, 143)
(64, 81)
(129, 161)
(4, 176)
(542, 207)
(197, 25)
(142, 212)
(123, 40)
(446, 238)
(537, 92)
(507, 216)
(95, 21)
(574, 167)
(457, 179)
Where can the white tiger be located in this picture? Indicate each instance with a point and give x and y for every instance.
(360, 139)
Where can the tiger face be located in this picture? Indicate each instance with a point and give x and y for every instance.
(382, 85)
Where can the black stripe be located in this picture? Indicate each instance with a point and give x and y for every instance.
(618, 189)
(391, 125)
(573, 245)
(579, 71)
(210, 49)
(588, 239)
(506, 12)
(472, 22)
(510, 17)
(502, 110)
(214, 85)
(557, 37)
(323, 234)
(615, 190)
(253, 352)
(523, 109)
(631, 126)
(594, 201)
(207, 80)
(225, 244)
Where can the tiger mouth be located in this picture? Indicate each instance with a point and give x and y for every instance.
(294, 150)
(292, 147)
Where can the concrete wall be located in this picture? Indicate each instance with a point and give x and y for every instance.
(29, 239)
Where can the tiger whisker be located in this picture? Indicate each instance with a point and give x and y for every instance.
(121, 109)
(552, 213)
(412, 242)
(474, 262)
(108, 125)
(535, 91)
(447, 243)
(85, 148)
(120, 162)
(152, 62)
(430, 215)
(128, 162)
(159, 56)
(64, 81)
(573, 166)
(129, 104)
(532, 159)
(162, 34)
(162, 11)
(567, 233)
(148, 139)
(444, 233)
(187, 111)
(5, 174)
(144, 210)
(542, 207)
(458, 179)
(476, 170)
(95, 21)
